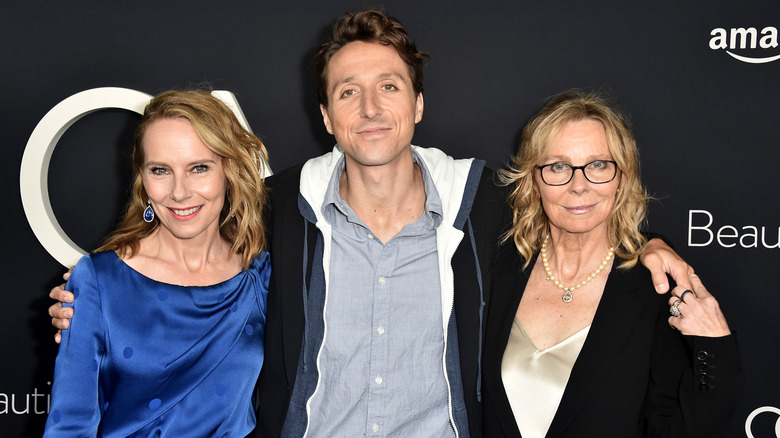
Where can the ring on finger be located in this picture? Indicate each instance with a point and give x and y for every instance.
(674, 309)
(682, 297)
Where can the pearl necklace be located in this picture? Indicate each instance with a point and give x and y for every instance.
(567, 290)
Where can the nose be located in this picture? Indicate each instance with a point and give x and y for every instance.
(578, 181)
(180, 190)
(369, 105)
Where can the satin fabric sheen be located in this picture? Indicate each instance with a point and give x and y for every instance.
(144, 358)
(535, 379)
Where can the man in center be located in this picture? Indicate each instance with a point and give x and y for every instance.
(384, 233)
(381, 253)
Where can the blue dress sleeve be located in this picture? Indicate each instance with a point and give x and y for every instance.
(75, 406)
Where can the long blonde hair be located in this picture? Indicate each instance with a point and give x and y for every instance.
(530, 222)
(243, 160)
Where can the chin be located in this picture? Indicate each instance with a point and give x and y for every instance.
(580, 228)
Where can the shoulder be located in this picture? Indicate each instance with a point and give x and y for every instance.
(490, 192)
(261, 265)
(446, 170)
(92, 264)
(636, 277)
(507, 267)
(508, 258)
(491, 213)
(283, 190)
(632, 290)
(90, 274)
(259, 275)
(286, 178)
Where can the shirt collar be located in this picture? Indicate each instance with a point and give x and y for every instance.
(433, 208)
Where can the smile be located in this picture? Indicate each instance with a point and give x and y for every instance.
(373, 130)
(580, 209)
(186, 212)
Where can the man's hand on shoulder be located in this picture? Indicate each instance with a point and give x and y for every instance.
(60, 316)
(661, 260)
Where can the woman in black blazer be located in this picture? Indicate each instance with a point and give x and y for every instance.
(577, 341)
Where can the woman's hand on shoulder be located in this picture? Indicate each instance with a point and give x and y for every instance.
(699, 311)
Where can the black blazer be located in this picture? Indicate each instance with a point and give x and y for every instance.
(635, 375)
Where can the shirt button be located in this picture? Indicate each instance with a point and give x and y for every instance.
(371, 236)
(375, 428)
(378, 380)
(702, 355)
(381, 280)
(380, 330)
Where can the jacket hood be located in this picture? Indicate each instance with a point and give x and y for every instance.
(451, 178)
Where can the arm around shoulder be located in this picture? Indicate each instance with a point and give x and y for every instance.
(75, 406)
(695, 383)
(711, 390)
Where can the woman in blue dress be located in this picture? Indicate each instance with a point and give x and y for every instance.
(167, 339)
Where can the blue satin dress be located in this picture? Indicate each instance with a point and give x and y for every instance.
(144, 358)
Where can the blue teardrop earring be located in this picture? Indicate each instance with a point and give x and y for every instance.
(148, 213)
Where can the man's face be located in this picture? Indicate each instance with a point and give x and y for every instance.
(372, 107)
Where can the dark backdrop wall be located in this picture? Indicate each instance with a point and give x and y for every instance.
(701, 80)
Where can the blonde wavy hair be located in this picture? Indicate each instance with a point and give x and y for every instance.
(243, 159)
(530, 222)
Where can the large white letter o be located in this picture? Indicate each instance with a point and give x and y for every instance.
(33, 177)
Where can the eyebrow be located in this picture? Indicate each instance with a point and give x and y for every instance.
(159, 163)
(557, 158)
(379, 76)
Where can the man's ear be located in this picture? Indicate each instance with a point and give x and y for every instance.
(418, 111)
(326, 119)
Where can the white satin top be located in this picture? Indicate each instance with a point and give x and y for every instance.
(535, 379)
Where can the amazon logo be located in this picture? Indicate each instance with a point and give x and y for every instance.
(747, 44)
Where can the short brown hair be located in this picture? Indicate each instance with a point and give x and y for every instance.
(243, 160)
(369, 26)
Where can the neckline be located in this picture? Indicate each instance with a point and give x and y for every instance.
(150, 279)
(571, 338)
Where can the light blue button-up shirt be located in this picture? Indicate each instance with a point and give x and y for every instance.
(381, 364)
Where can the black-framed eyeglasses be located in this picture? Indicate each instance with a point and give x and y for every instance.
(597, 172)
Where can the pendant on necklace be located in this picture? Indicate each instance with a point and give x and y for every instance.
(567, 295)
